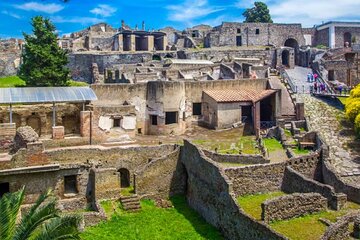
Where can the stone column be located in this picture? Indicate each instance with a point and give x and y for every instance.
(121, 42)
(150, 43)
(300, 111)
(332, 43)
(256, 118)
(165, 42)
(85, 123)
(132, 43)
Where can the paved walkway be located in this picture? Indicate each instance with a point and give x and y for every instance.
(325, 117)
(299, 77)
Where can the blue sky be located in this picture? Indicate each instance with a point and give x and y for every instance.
(78, 14)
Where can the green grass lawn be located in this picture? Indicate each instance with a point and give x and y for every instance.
(11, 81)
(302, 228)
(272, 144)
(252, 203)
(179, 222)
(300, 152)
(245, 144)
(309, 227)
(15, 81)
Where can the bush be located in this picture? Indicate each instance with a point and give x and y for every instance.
(11, 81)
(352, 108)
(357, 125)
(355, 93)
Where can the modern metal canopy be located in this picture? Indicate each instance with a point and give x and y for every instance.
(33, 95)
(37, 95)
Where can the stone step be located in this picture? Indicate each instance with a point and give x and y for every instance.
(130, 203)
(129, 200)
(129, 197)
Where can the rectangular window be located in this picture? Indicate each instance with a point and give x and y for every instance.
(257, 31)
(171, 117)
(116, 122)
(196, 111)
(238, 41)
(153, 119)
(70, 184)
(4, 188)
(238, 30)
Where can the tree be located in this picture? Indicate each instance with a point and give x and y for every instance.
(41, 222)
(43, 61)
(258, 14)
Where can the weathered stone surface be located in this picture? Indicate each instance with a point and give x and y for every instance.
(291, 206)
(24, 135)
(340, 229)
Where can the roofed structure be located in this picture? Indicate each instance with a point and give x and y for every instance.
(239, 95)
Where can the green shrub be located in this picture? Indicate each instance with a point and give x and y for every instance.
(352, 108)
(72, 83)
(357, 125)
(11, 81)
(355, 93)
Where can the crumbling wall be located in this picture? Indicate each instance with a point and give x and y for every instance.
(295, 182)
(210, 193)
(10, 54)
(291, 206)
(340, 229)
(231, 158)
(162, 178)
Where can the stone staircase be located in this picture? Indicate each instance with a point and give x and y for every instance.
(130, 203)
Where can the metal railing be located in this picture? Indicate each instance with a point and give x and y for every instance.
(328, 88)
(286, 77)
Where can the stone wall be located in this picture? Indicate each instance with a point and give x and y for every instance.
(162, 177)
(295, 182)
(330, 177)
(291, 206)
(231, 158)
(7, 134)
(10, 55)
(256, 178)
(39, 117)
(210, 193)
(266, 177)
(341, 228)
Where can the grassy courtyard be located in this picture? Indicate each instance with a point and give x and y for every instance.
(307, 227)
(15, 81)
(179, 222)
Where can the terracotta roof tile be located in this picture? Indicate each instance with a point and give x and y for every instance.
(239, 95)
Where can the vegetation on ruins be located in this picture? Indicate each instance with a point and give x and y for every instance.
(41, 222)
(44, 62)
(258, 14)
(306, 227)
(11, 81)
(177, 222)
(352, 108)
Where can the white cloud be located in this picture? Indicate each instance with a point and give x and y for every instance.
(80, 20)
(40, 7)
(104, 10)
(14, 15)
(247, 3)
(190, 10)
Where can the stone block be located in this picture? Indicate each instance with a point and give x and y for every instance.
(58, 132)
(85, 123)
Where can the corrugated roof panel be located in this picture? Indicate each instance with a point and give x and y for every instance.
(46, 94)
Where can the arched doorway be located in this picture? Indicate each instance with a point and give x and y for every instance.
(124, 177)
(34, 122)
(291, 42)
(285, 58)
(347, 38)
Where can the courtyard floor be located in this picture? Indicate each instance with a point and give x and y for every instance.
(177, 222)
(308, 227)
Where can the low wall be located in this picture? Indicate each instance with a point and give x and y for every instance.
(93, 218)
(210, 193)
(162, 177)
(340, 229)
(229, 158)
(295, 182)
(256, 178)
(7, 134)
(291, 206)
(330, 177)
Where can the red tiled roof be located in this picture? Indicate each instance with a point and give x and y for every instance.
(239, 95)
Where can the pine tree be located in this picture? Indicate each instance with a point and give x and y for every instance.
(258, 14)
(43, 61)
